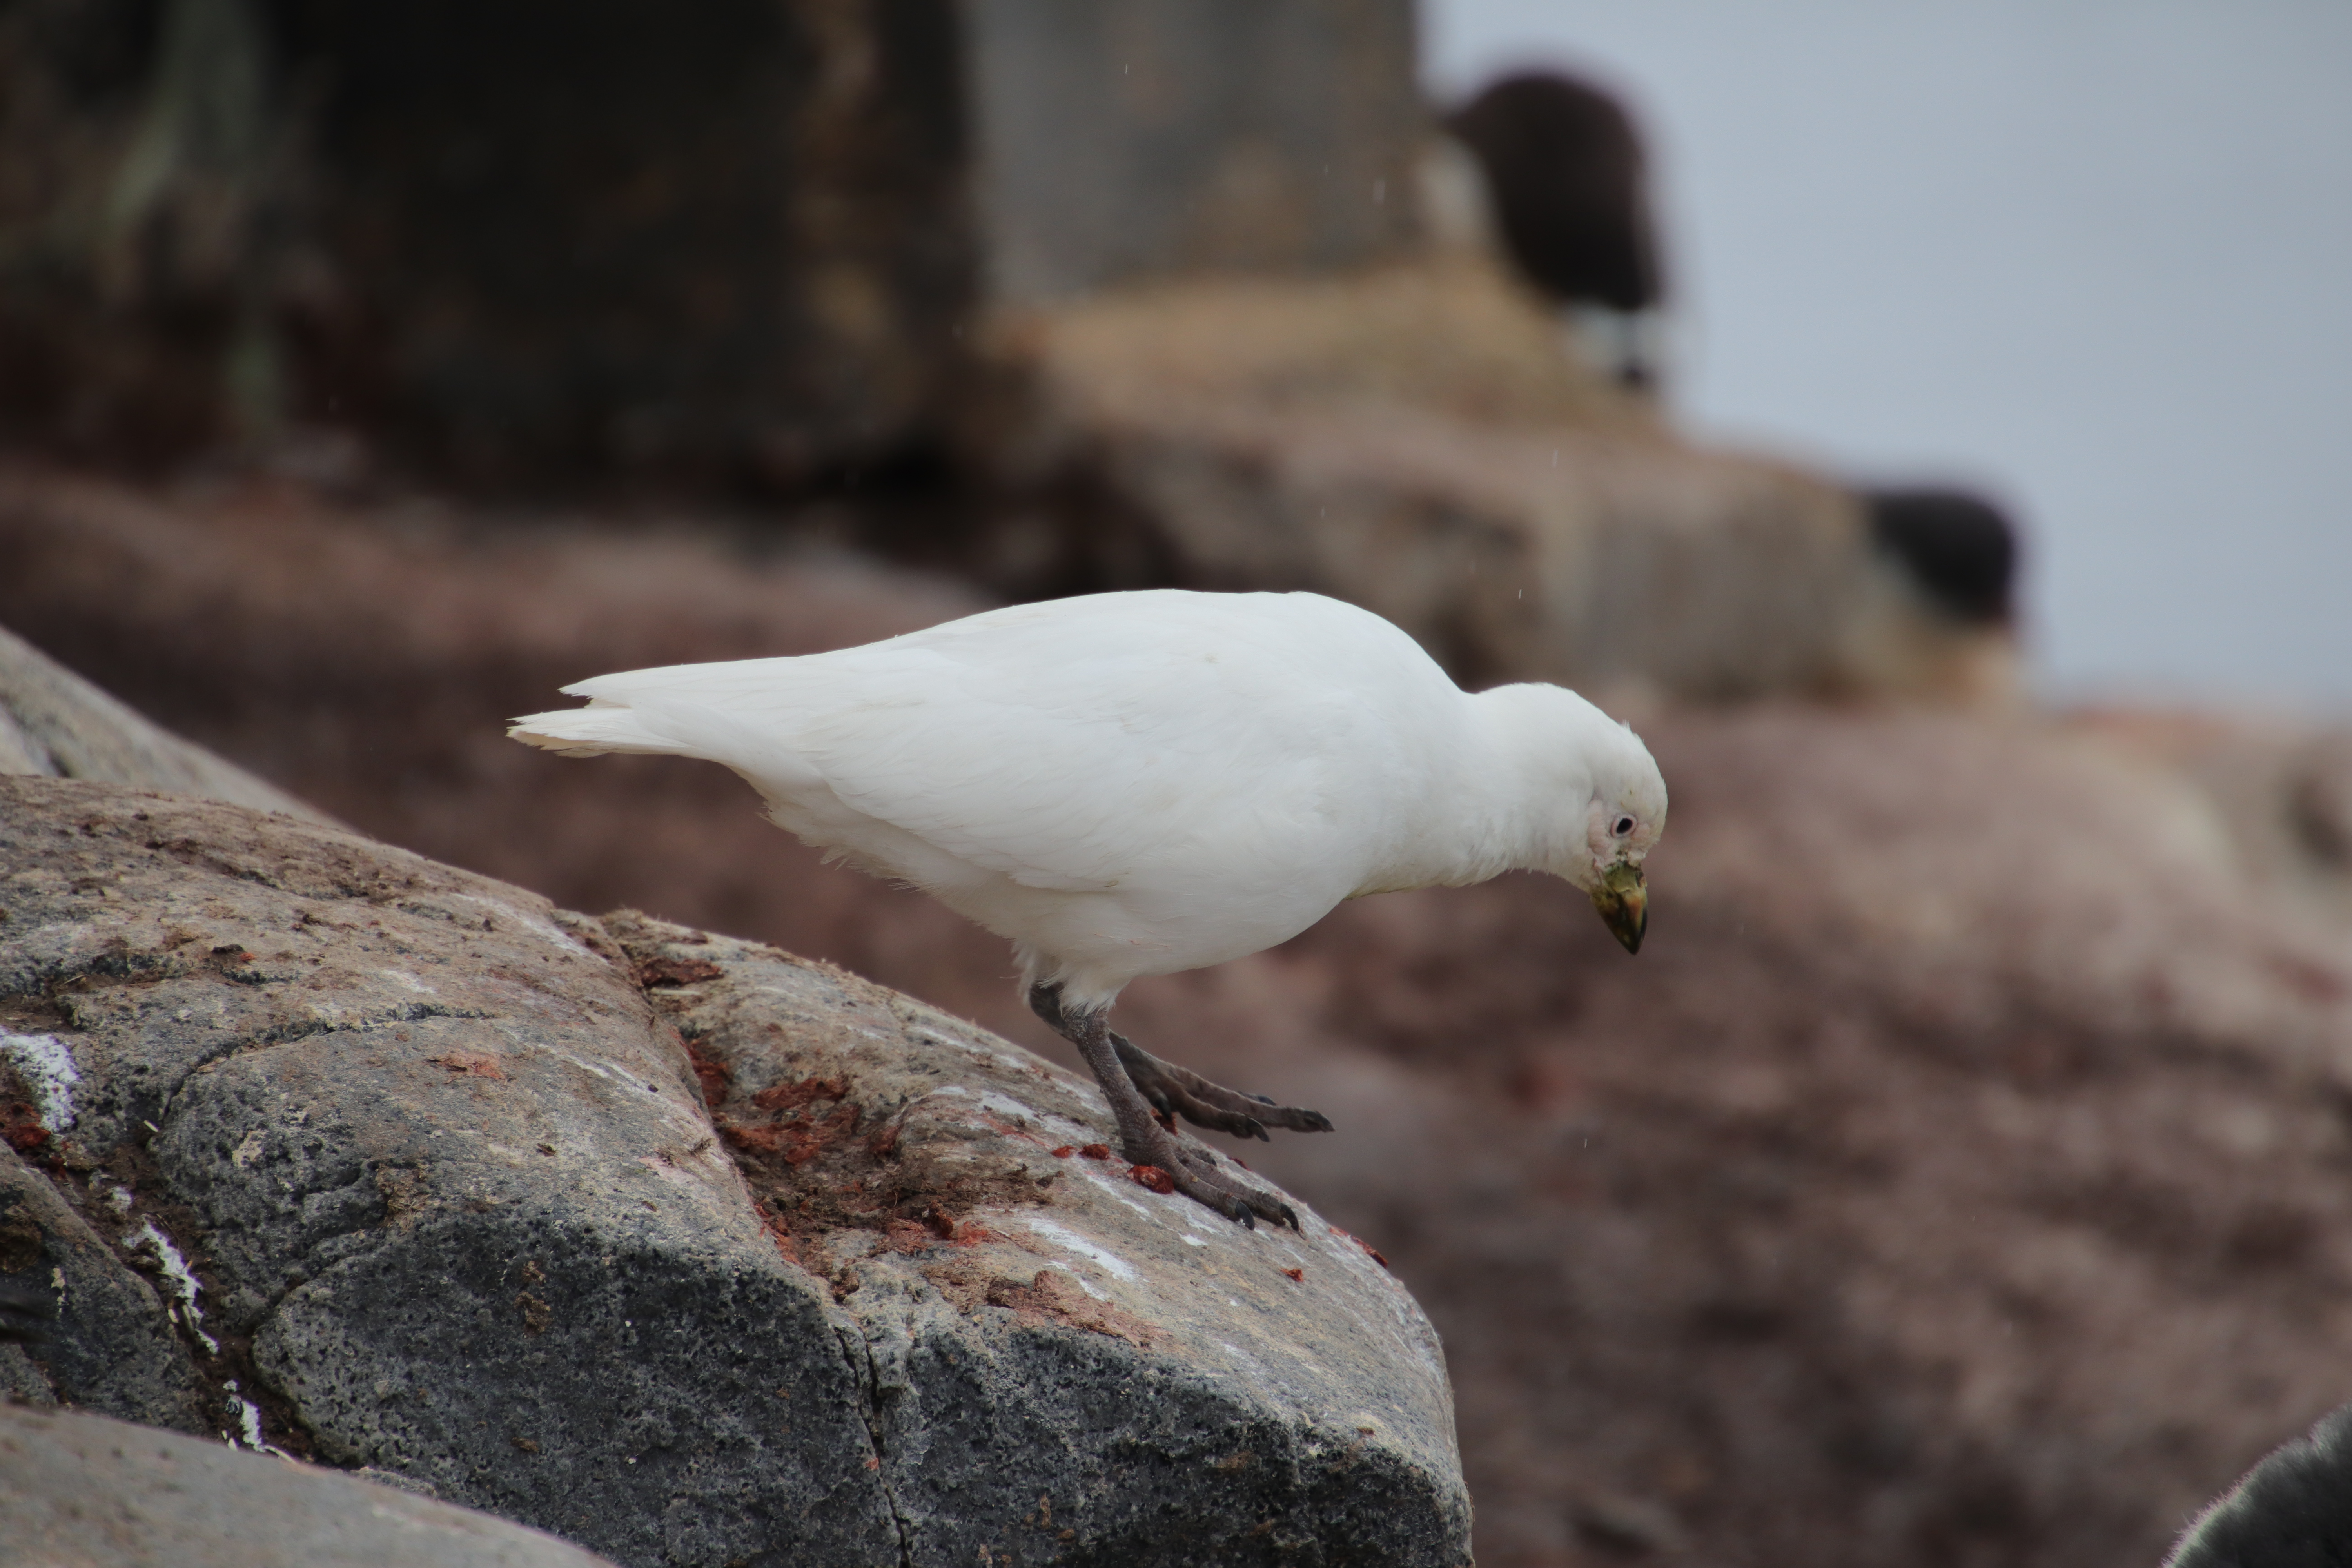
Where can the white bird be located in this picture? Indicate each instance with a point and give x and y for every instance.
(1142, 782)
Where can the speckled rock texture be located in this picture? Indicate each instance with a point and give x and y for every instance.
(79, 1490)
(680, 1249)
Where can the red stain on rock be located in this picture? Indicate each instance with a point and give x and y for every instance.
(1296, 1276)
(1360, 1241)
(468, 1064)
(1095, 1151)
(1066, 1150)
(797, 1141)
(814, 1165)
(21, 1130)
(906, 1237)
(1152, 1176)
(792, 1096)
(667, 971)
(716, 1077)
(1049, 1296)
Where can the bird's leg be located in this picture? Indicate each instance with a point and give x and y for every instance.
(1179, 1091)
(1143, 1139)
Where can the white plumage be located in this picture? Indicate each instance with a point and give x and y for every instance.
(1138, 783)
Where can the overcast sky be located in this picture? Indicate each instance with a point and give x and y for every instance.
(2093, 255)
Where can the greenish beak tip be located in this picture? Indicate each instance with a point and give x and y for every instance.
(1623, 900)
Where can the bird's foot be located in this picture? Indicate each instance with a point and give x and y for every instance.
(1195, 1172)
(1152, 1141)
(1179, 1091)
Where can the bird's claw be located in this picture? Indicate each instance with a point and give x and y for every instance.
(1245, 1203)
(1147, 1095)
(1179, 1091)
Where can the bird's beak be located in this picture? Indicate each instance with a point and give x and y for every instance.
(1624, 900)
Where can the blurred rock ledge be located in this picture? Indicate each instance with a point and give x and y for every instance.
(677, 1247)
(1418, 439)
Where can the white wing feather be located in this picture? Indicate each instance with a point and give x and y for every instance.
(1067, 746)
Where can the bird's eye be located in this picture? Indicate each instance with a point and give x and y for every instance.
(1622, 826)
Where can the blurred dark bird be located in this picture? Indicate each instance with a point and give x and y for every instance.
(1958, 547)
(2292, 1510)
(1569, 184)
(25, 1313)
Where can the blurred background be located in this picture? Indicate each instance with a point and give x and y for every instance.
(2088, 256)
(1919, 424)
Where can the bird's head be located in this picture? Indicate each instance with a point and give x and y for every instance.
(1625, 813)
(1592, 800)
(1608, 802)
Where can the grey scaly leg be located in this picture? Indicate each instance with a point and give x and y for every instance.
(1173, 1090)
(1141, 1139)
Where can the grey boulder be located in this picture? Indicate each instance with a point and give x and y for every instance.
(55, 723)
(82, 1489)
(678, 1247)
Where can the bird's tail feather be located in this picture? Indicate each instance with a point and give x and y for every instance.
(594, 731)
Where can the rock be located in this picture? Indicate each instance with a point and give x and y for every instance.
(54, 722)
(931, 1172)
(746, 243)
(432, 1166)
(1419, 441)
(2280, 789)
(710, 248)
(80, 1488)
(1119, 139)
(120, 1352)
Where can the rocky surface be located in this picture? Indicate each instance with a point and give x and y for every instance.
(678, 1247)
(1419, 440)
(81, 1490)
(725, 245)
(1124, 139)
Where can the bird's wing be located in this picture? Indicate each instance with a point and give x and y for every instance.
(1064, 757)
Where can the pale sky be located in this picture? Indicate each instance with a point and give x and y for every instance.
(2093, 255)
